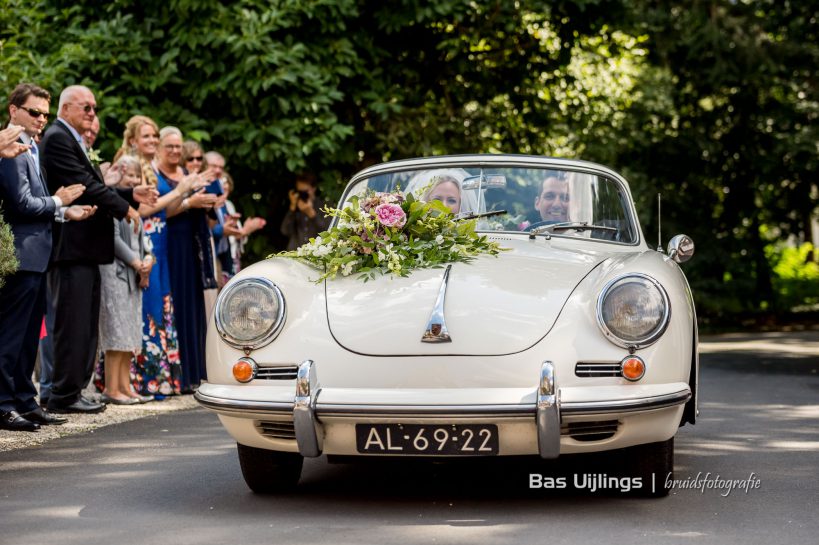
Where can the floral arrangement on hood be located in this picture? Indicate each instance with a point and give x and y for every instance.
(389, 233)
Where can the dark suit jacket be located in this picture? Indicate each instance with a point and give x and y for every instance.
(91, 240)
(28, 209)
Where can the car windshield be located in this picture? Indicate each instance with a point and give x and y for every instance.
(557, 202)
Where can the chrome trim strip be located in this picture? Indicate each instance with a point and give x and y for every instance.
(625, 405)
(548, 413)
(424, 411)
(436, 331)
(304, 417)
(222, 405)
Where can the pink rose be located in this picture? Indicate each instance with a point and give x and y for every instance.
(390, 215)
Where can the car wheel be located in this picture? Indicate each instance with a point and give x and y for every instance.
(267, 471)
(653, 464)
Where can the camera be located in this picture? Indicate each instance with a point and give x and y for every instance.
(304, 196)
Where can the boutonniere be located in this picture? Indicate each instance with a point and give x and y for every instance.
(93, 156)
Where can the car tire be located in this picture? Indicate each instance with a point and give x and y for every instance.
(653, 464)
(268, 471)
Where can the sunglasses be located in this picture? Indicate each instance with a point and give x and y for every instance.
(88, 108)
(195, 158)
(35, 113)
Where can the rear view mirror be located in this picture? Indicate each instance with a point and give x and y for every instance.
(489, 181)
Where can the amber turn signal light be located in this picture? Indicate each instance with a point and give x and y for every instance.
(244, 370)
(633, 368)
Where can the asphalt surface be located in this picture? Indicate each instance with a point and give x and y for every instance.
(175, 478)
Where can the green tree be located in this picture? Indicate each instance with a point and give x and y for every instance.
(713, 103)
(735, 153)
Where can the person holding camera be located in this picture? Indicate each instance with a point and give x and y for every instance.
(304, 219)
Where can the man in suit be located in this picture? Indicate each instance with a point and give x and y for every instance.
(30, 212)
(79, 249)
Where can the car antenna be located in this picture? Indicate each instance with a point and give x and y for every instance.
(659, 223)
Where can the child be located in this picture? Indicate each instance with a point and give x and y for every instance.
(121, 297)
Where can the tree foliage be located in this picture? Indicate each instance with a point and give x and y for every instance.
(713, 103)
(8, 260)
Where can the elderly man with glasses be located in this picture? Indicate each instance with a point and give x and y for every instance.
(80, 248)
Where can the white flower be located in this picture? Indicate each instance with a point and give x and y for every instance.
(439, 239)
(323, 250)
(347, 268)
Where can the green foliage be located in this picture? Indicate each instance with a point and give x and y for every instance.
(796, 274)
(8, 260)
(714, 104)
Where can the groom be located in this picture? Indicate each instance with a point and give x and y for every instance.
(79, 249)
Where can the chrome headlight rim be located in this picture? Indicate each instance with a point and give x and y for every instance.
(655, 333)
(263, 340)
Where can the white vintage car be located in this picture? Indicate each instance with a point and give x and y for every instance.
(577, 337)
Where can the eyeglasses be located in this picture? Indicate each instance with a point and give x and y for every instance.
(195, 158)
(88, 108)
(35, 113)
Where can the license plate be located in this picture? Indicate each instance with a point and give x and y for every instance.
(427, 440)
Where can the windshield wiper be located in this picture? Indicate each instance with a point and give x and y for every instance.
(569, 225)
(484, 215)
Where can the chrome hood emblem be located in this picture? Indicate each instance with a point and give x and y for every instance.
(436, 331)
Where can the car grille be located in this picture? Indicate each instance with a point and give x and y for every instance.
(277, 430)
(285, 372)
(597, 369)
(590, 431)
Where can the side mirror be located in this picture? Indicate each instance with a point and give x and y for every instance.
(681, 248)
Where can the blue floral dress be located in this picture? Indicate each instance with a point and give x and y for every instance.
(157, 370)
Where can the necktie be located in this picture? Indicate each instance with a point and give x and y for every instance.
(35, 154)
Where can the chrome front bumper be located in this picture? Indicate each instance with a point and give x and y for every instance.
(547, 412)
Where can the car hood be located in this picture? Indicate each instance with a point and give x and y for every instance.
(493, 306)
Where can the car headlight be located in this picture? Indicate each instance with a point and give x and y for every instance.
(250, 313)
(633, 310)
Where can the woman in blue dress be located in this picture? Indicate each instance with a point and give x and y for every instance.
(190, 256)
(157, 370)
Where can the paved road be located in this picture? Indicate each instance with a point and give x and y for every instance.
(175, 479)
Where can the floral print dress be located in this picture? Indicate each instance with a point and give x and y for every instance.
(157, 370)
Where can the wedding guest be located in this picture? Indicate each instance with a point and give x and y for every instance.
(304, 218)
(231, 234)
(46, 347)
(29, 210)
(157, 369)
(141, 139)
(122, 281)
(90, 135)
(215, 162)
(190, 258)
(80, 248)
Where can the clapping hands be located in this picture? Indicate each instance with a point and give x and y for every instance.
(146, 194)
(144, 270)
(79, 213)
(69, 194)
(9, 147)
